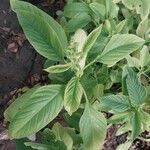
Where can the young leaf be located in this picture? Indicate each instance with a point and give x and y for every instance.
(119, 46)
(58, 68)
(39, 108)
(136, 125)
(62, 135)
(93, 127)
(144, 57)
(43, 32)
(137, 92)
(73, 95)
(124, 146)
(73, 9)
(142, 27)
(98, 9)
(39, 146)
(78, 22)
(116, 103)
(91, 39)
(133, 62)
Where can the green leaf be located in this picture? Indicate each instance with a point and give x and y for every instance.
(98, 9)
(136, 125)
(78, 22)
(144, 57)
(91, 39)
(133, 62)
(20, 144)
(73, 120)
(119, 118)
(43, 32)
(142, 27)
(121, 26)
(93, 127)
(38, 109)
(62, 135)
(116, 103)
(39, 146)
(73, 95)
(142, 6)
(137, 92)
(76, 8)
(58, 68)
(125, 146)
(130, 4)
(119, 46)
(16, 106)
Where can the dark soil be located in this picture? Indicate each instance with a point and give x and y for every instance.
(21, 66)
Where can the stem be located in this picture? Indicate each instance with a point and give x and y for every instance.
(92, 62)
(86, 98)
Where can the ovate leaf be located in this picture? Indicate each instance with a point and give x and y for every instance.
(58, 68)
(116, 103)
(137, 92)
(73, 9)
(93, 128)
(43, 32)
(73, 95)
(119, 46)
(37, 110)
(78, 22)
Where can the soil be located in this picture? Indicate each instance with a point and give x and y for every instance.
(21, 66)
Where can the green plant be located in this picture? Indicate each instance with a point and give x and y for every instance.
(84, 67)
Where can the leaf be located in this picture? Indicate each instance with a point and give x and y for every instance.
(37, 110)
(133, 62)
(20, 144)
(121, 26)
(78, 22)
(98, 9)
(76, 8)
(91, 39)
(93, 127)
(130, 4)
(119, 46)
(142, 27)
(137, 92)
(16, 106)
(43, 32)
(62, 135)
(126, 127)
(119, 118)
(142, 6)
(124, 146)
(73, 120)
(39, 146)
(73, 95)
(116, 103)
(136, 125)
(58, 68)
(144, 57)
